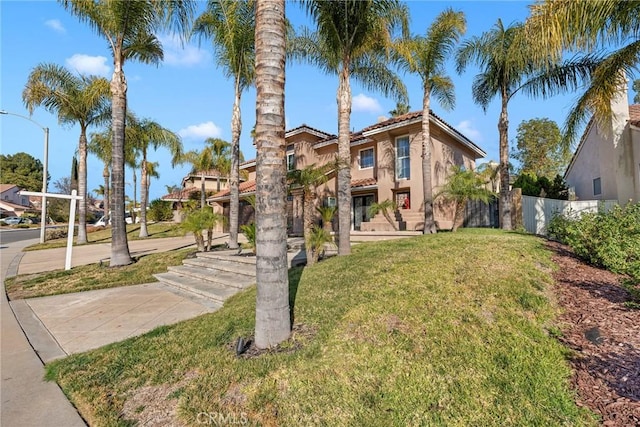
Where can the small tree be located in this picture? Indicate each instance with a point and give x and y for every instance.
(385, 207)
(327, 213)
(463, 185)
(199, 220)
(318, 238)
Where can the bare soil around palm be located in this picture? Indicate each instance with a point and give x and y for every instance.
(604, 336)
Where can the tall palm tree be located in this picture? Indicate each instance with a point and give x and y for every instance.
(426, 57)
(221, 157)
(352, 39)
(504, 61)
(589, 27)
(81, 100)
(129, 27)
(144, 135)
(308, 179)
(231, 26)
(273, 320)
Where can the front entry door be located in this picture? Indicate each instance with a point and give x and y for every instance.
(361, 206)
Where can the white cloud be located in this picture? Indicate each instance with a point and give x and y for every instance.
(365, 104)
(85, 64)
(468, 130)
(181, 55)
(201, 131)
(55, 25)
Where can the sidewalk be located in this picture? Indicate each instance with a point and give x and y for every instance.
(27, 400)
(43, 329)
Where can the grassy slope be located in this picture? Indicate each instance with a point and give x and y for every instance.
(436, 330)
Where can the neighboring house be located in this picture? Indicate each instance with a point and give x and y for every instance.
(213, 182)
(12, 203)
(386, 163)
(606, 164)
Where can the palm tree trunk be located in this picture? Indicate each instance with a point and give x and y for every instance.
(457, 214)
(344, 156)
(234, 208)
(307, 215)
(202, 198)
(107, 194)
(427, 184)
(119, 246)
(273, 320)
(82, 188)
(505, 200)
(144, 195)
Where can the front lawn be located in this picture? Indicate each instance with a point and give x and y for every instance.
(103, 235)
(93, 276)
(446, 329)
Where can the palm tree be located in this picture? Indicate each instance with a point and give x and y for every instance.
(273, 320)
(384, 207)
(221, 157)
(129, 27)
(589, 27)
(504, 63)
(81, 100)
(100, 145)
(401, 108)
(231, 26)
(352, 39)
(461, 186)
(144, 135)
(426, 57)
(201, 162)
(308, 179)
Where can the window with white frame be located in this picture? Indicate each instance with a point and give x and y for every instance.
(291, 158)
(597, 187)
(366, 158)
(403, 161)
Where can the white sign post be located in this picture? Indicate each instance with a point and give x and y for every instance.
(72, 217)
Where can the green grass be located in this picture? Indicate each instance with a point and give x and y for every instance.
(93, 276)
(454, 329)
(103, 235)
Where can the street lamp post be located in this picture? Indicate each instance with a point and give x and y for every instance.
(43, 211)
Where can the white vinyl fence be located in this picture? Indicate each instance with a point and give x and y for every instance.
(537, 212)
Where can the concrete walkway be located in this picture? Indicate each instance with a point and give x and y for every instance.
(26, 399)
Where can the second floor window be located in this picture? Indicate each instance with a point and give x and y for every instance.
(366, 158)
(403, 162)
(597, 187)
(291, 161)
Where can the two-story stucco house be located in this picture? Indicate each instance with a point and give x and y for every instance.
(385, 164)
(11, 202)
(606, 163)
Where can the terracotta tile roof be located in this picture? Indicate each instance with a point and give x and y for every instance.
(244, 188)
(366, 182)
(634, 114)
(180, 194)
(394, 120)
(306, 127)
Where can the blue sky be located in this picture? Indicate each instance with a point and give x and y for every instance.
(190, 95)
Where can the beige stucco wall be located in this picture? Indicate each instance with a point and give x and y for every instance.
(613, 154)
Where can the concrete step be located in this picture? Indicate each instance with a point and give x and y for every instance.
(204, 288)
(216, 265)
(232, 256)
(223, 278)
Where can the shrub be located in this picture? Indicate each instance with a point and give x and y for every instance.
(605, 239)
(160, 210)
(249, 231)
